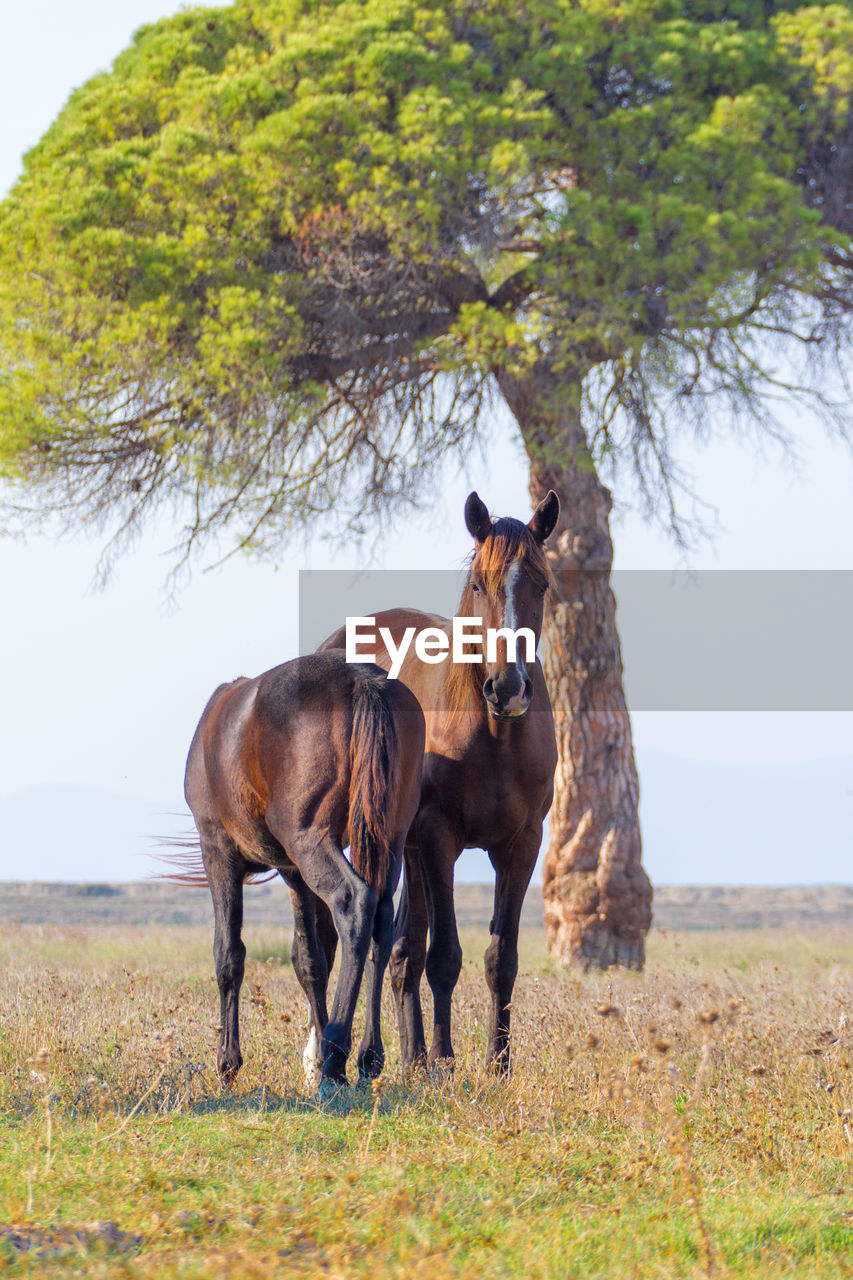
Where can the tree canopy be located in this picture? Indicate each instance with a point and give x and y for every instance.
(270, 262)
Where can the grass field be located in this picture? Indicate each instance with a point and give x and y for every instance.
(694, 1120)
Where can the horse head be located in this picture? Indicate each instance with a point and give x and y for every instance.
(507, 583)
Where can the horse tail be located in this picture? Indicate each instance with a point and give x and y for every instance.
(374, 769)
(188, 864)
(185, 860)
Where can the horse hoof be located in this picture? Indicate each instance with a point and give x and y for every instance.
(312, 1077)
(497, 1064)
(416, 1070)
(228, 1064)
(370, 1064)
(330, 1089)
(312, 1064)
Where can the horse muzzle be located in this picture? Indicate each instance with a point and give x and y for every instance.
(508, 700)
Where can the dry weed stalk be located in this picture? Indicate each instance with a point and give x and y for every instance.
(679, 1139)
(40, 1072)
(163, 1054)
(376, 1086)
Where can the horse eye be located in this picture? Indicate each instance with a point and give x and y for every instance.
(542, 591)
(475, 587)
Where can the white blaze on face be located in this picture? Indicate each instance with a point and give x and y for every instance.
(510, 615)
(512, 635)
(509, 595)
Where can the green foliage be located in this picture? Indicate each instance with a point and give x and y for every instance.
(260, 262)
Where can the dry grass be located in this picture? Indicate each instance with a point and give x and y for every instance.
(694, 1120)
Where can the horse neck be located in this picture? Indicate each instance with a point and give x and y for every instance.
(460, 701)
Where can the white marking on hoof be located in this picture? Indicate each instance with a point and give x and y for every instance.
(312, 1063)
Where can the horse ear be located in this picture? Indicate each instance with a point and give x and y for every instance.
(477, 518)
(542, 522)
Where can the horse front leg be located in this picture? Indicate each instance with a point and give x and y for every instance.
(513, 863)
(444, 955)
(371, 1051)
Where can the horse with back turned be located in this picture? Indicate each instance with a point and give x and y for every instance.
(284, 772)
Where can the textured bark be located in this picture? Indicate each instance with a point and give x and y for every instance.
(597, 895)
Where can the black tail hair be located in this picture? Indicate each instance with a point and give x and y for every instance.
(374, 765)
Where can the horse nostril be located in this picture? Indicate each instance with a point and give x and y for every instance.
(528, 688)
(489, 690)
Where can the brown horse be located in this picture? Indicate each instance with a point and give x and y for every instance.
(284, 771)
(488, 777)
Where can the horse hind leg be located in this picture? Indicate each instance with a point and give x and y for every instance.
(328, 940)
(352, 904)
(310, 957)
(371, 1051)
(225, 871)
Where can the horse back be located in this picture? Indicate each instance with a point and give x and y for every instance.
(426, 681)
(396, 621)
(222, 784)
(280, 746)
(307, 713)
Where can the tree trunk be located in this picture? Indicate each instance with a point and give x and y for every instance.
(597, 895)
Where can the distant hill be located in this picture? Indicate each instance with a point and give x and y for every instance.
(675, 906)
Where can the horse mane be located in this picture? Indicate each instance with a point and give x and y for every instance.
(508, 541)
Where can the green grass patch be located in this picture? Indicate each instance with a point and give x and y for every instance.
(693, 1120)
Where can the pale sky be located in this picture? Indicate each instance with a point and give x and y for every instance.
(103, 689)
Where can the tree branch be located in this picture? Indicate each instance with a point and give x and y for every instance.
(513, 290)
